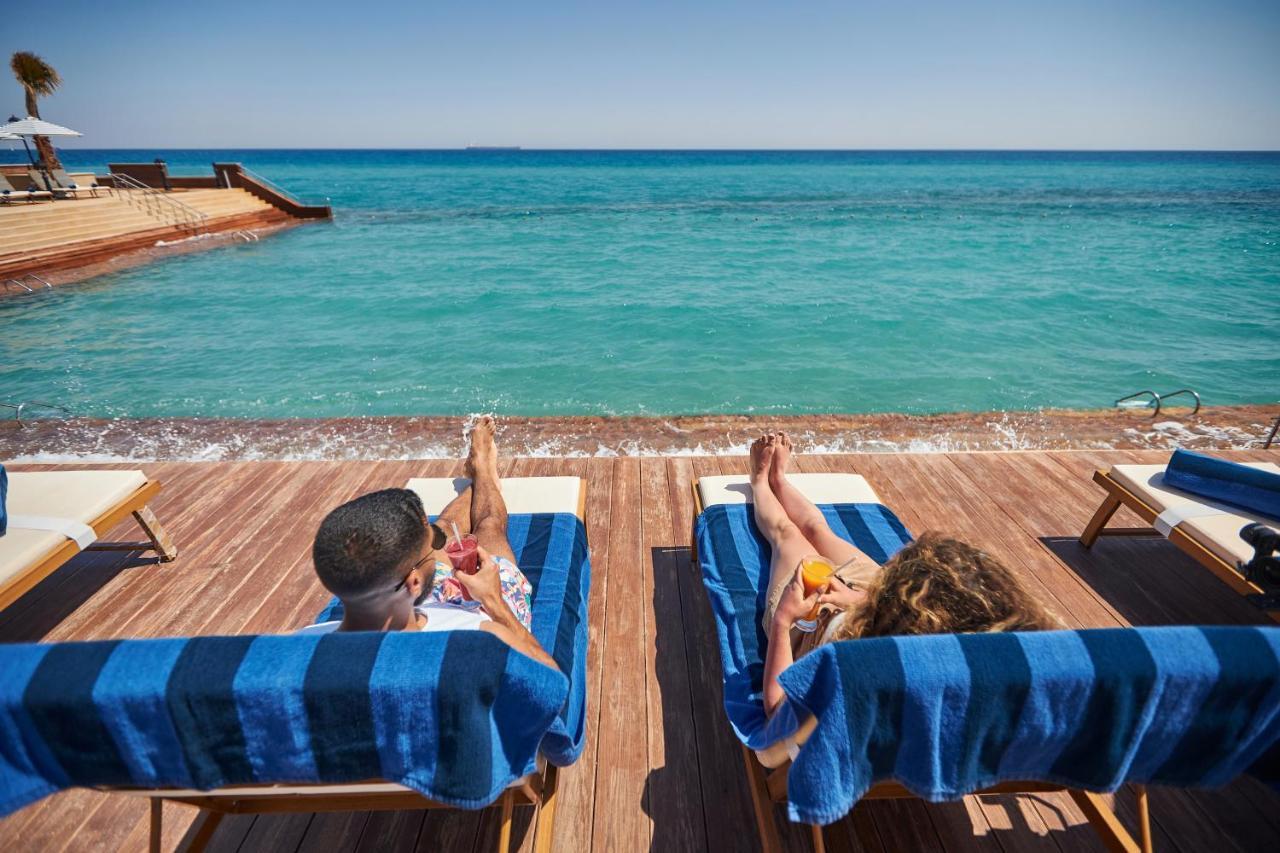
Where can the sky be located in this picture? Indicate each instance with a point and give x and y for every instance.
(655, 74)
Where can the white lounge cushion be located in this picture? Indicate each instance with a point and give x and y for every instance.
(819, 488)
(521, 494)
(1212, 524)
(80, 496)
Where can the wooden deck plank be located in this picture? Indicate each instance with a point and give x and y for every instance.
(576, 809)
(672, 791)
(620, 820)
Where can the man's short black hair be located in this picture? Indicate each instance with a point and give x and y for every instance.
(362, 544)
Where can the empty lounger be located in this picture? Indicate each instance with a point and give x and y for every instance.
(53, 515)
(942, 716)
(9, 192)
(1205, 529)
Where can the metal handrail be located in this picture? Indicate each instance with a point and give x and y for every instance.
(18, 407)
(1196, 410)
(1275, 427)
(184, 214)
(20, 281)
(1158, 399)
(294, 197)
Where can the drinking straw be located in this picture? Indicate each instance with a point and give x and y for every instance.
(456, 537)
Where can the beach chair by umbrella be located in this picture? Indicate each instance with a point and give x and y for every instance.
(30, 127)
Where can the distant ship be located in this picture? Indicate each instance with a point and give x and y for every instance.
(493, 148)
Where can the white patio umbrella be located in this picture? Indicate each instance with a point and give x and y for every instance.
(32, 126)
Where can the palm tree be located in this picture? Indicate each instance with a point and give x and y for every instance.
(38, 79)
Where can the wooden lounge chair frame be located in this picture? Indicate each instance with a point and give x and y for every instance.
(1118, 496)
(769, 787)
(537, 789)
(134, 504)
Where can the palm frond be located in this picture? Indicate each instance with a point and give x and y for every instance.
(34, 74)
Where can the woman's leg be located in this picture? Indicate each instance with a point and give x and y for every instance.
(804, 514)
(788, 543)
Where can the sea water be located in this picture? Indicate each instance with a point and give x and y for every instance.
(553, 283)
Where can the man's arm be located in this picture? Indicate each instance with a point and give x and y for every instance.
(485, 586)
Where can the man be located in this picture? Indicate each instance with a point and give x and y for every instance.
(378, 554)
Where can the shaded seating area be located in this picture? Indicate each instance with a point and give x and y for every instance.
(940, 717)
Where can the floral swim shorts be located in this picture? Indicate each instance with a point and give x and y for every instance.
(517, 592)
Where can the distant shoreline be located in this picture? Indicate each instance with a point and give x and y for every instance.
(223, 439)
(537, 149)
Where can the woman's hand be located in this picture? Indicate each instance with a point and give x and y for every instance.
(793, 604)
(842, 596)
(485, 584)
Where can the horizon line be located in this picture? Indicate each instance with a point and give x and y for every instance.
(517, 149)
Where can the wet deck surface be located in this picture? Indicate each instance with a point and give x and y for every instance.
(661, 769)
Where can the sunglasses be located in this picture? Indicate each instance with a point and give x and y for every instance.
(438, 540)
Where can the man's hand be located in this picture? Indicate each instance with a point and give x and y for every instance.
(485, 586)
(793, 604)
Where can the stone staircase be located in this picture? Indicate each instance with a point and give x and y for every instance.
(42, 235)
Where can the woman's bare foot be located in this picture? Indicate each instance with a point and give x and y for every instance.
(483, 457)
(762, 450)
(781, 459)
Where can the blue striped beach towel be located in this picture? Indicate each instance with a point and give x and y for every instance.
(456, 716)
(551, 550)
(946, 715)
(734, 558)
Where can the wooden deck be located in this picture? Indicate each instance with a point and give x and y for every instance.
(661, 769)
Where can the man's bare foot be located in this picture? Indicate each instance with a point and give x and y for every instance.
(781, 458)
(762, 450)
(483, 457)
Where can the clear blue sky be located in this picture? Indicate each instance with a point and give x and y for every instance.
(658, 74)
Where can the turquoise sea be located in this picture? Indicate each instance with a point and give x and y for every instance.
(552, 283)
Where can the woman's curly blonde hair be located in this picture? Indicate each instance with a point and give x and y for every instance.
(940, 585)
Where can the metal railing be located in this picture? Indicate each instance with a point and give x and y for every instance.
(21, 281)
(37, 404)
(159, 204)
(1155, 400)
(292, 196)
(1275, 427)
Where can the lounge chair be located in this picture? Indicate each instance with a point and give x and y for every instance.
(58, 182)
(939, 717)
(8, 192)
(333, 722)
(1206, 530)
(53, 515)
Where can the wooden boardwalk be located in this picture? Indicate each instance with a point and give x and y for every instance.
(661, 769)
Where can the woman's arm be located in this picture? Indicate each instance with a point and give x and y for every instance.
(792, 604)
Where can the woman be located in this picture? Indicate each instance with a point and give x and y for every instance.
(935, 585)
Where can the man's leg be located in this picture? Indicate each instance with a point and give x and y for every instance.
(804, 514)
(488, 510)
(787, 542)
(458, 511)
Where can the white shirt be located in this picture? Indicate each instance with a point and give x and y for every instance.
(440, 617)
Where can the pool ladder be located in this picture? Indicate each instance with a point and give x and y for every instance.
(29, 404)
(1157, 400)
(21, 281)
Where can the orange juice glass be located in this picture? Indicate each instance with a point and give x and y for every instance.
(815, 572)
